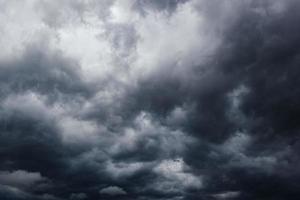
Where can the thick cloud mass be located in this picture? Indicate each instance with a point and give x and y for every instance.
(149, 100)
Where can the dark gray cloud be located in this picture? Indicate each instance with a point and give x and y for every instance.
(149, 100)
(78, 196)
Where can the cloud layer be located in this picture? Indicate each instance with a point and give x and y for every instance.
(149, 100)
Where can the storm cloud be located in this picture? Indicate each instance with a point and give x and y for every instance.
(149, 100)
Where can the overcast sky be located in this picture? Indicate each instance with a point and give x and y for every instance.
(149, 99)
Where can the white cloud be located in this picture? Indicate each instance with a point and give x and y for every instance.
(175, 43)
(122, 11)
(20, 26)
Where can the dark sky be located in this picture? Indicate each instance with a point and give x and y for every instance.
(150, 100)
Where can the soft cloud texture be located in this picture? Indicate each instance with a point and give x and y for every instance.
(113, 191)
(149, 100)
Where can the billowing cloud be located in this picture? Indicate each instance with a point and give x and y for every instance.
(172, 99)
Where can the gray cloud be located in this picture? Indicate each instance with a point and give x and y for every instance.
(113, 191)
(20, 178)
(78, 196)
(149, 100)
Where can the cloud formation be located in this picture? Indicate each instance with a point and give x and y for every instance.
(149, 100)
(113, 191)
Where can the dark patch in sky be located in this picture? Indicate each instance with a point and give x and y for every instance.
(150, 100)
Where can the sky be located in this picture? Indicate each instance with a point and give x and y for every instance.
(149, 100)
